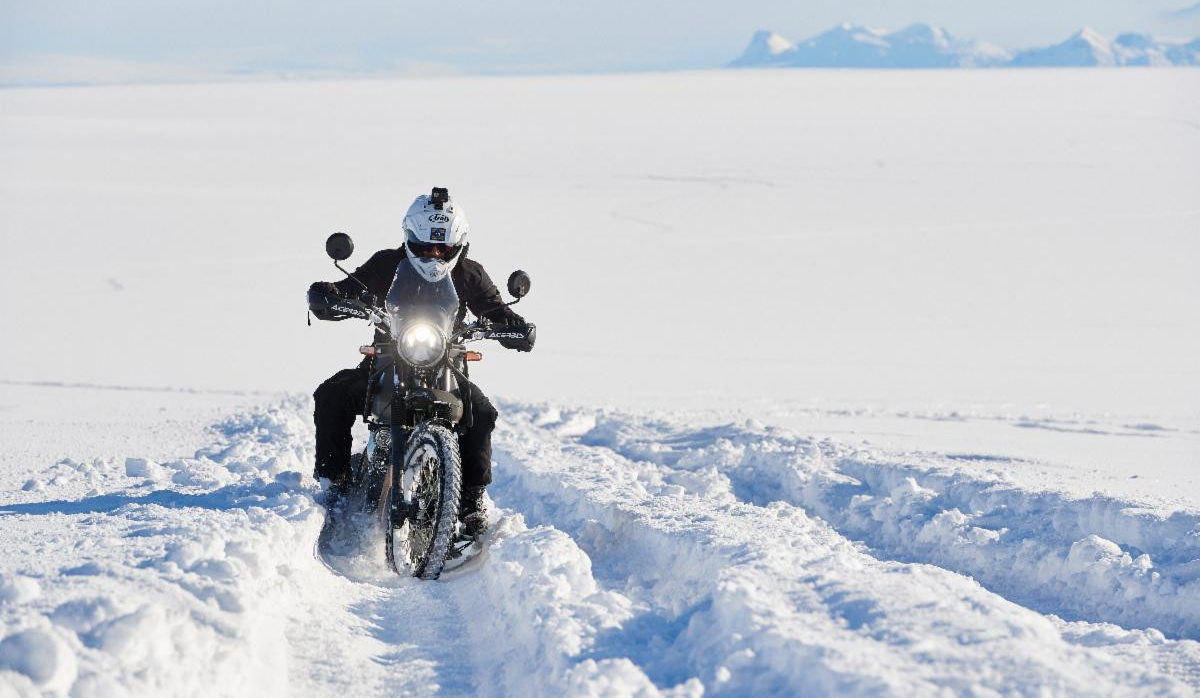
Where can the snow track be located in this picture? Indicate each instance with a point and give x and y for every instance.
(658, 559)
(765, 598)
(1094, 558)
(198, 576)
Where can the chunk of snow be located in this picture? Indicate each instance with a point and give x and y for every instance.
(81, 615)
(203, 474)
(41, 655)
(290, 479)
(18, 589)
(144, 467)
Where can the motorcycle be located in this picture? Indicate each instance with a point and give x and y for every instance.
(409, 475)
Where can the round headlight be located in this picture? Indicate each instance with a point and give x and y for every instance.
(422, 344)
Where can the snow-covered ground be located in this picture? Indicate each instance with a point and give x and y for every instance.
(998, 242)
(630, 555)
(847, 384)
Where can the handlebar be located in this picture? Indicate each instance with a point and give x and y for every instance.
(327, 306)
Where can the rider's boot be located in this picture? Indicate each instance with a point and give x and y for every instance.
(335, 495)
(473, 512)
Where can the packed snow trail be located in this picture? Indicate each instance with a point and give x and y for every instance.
(665, 560)
(199, 576)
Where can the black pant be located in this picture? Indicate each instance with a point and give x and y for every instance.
(339, 401)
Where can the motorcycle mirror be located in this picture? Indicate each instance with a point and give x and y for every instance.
(518, 284)
(339, 246)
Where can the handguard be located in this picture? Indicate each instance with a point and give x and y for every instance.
(519, 337)
(327, 304)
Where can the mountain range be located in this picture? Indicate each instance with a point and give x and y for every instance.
(926, 46)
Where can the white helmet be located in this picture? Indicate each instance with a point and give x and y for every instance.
(435, 234)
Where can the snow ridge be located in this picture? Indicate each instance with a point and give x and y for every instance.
(534, 609)
(1098, 558)
(678, 541)
(133, 598)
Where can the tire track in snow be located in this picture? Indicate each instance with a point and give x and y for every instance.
(188, 577)
(750, 598)
(512, 622)
(198, 576)
(411, 633)
(1097, 559)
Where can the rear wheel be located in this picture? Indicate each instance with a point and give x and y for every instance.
(431, 480)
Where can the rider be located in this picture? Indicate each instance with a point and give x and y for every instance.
(435, 244)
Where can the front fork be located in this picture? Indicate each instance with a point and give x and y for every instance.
(397, 424)
(396, 435)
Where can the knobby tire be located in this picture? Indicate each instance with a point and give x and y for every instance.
(433, 448)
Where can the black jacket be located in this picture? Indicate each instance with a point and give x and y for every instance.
(475, 289)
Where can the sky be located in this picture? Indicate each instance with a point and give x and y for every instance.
(129, 40)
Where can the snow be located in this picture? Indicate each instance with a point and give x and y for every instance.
(848, 384)
(884, 197)
(41, 656)
(652, 563)
(816, 631)
(1043, 549)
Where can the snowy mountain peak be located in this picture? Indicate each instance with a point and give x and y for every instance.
(852, 32)
(851, 45)
(775, 43)
(1088, 47)
(763, 47)
(1091, 36)
(921, 32)
(849, 28)
(1143, 50)
(1084, 48)
(845, 37)
(924, 45)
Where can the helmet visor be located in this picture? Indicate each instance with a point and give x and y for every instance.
(433, 250)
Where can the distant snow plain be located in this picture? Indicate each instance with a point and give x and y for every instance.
(931, 311)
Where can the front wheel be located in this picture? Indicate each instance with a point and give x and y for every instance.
(430, 481)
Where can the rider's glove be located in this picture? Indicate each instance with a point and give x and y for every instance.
(326, 288)
(363, 295)
(523, 344)
(321, 295)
